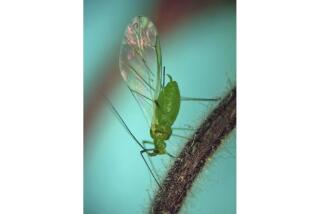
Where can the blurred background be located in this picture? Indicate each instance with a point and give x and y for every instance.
(198, 40)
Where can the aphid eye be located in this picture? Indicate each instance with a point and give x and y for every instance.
(135, 25)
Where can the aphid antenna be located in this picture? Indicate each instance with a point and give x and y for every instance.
(144, 150)
(164, 76)
(114, 110)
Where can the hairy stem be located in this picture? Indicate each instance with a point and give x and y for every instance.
(194, 156)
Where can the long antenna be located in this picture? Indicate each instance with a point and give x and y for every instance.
(114, 110)
(123, 123)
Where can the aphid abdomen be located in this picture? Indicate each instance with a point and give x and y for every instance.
(168, 104)
(166, 111)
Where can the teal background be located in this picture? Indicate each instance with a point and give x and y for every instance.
(200, 54)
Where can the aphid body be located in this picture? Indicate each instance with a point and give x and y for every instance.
(165, 113)
(140, 65)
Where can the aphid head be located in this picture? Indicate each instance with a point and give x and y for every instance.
(160, 147)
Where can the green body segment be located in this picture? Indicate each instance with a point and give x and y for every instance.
(165, 113)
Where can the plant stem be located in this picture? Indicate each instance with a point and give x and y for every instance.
(194, 156)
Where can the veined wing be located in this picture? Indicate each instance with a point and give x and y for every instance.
(140, 62)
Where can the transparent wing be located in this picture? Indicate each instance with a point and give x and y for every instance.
(140, 63)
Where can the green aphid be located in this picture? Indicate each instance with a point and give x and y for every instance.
(140, 64)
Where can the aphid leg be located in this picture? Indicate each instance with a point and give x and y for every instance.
(183, 128)
(148, 152)
(157, 103)
(135, 139)
(179, 136)
(199, 99)
(147, 142)
(170, 155)
(149, 157)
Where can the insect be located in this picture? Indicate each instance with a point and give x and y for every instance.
(140, 64)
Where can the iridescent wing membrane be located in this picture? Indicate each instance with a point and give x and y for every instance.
(140, 63)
